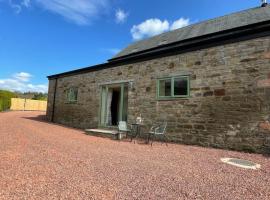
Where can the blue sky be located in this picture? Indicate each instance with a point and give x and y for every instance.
(44, 37)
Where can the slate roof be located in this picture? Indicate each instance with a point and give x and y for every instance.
(231, 21)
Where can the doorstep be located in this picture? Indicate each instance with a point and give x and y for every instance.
(112, 134)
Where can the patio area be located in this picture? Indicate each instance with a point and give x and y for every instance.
(39, 160)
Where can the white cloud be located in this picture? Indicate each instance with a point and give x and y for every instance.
(121, 16)
(180, 23)
(149, 28)
(15, 6)
(81, 12)
(26, 3)
(152, 27)
(20, 82)
(22, 76)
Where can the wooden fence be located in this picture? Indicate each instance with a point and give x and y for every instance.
(28, 105)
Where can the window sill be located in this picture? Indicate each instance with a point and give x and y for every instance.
(72, 102)
(173, 98)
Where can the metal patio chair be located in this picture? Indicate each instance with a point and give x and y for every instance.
(158, 130)
(123, 127)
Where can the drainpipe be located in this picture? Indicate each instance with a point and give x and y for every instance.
(54, 99)
(264, 3)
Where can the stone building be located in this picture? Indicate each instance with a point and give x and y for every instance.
(210, 81)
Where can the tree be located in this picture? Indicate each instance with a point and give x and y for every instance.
(40, 96)
(5, 99)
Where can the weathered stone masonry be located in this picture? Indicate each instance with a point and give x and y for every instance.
(229, 105)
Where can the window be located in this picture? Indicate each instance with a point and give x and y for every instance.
(173, 87)
(165, 88)
(180, 86)
(72, 95)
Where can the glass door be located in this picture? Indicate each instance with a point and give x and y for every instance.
(113, 104)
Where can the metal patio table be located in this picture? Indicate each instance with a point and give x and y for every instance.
(138, 127)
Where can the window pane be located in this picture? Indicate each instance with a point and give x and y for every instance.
(72, 94)
(75, 91)
(181, 86)
(165, 88)
(67, 95)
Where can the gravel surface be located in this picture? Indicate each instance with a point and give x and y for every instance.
(39, 160)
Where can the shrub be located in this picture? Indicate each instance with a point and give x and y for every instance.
(1, 104)
(5, 99)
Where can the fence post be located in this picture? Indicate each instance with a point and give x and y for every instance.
(24, 105)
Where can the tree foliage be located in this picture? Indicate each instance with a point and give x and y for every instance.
(5, 99)
(32, 95)
(40, 96)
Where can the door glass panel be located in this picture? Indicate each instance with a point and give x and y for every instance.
(125, 103)
(103, 106)
(109, 97)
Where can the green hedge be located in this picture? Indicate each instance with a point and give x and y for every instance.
(5, 99)
(1, 105)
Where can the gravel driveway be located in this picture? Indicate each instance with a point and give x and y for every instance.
(39, 160)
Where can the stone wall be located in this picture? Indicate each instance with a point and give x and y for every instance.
(229, 105)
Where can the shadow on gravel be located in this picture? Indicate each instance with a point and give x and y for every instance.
(40, 118)
(267, 154)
